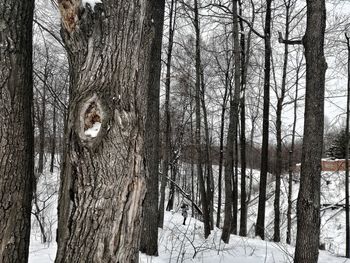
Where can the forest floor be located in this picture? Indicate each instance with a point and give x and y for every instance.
(179, 243)
(185, 243)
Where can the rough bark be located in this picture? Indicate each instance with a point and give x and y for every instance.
(260, 223)
(102, 183)
(149, 233)
(16, 129)
(308, 205)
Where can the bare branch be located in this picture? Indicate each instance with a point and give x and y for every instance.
(288, 41)
(186, 195)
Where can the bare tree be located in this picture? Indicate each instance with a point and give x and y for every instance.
(167, 135)
(203, 192)
(149, 233)
(230, 223)
(16, 129)
(308, 206)
(102, 184)
(260, 222)
(347, 139)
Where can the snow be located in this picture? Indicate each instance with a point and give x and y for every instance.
(179, 243)
(92, 3)
(41, 253)
(93, 131)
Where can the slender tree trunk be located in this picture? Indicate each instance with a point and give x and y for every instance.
(276, 204)
(16, 129)
(260, 223)
(53, 138)
(221, 154)
(279, 109)
(170, 205)
(245, 55)
(210, 178)
(149, 232)
(203, 194)
(230, 221)
(42, 126)
(308, 206)
(167, 144)
(193, 194)
(347, 210)
(102, 183)
(291, 154)
(226, 230)
(236, 99)
(235, 186)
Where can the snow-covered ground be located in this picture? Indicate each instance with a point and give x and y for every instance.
(178, 243)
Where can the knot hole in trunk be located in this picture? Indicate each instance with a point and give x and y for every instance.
(91, 117)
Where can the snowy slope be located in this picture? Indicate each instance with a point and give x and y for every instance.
(178, 243)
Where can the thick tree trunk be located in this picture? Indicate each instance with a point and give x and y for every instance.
(308, 206)
(16, 129)
(260, 223)
(149, 233)
(102, 183)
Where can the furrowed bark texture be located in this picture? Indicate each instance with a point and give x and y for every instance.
(16, 129)
(308, 206)
(149, 233)
(102, 186)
